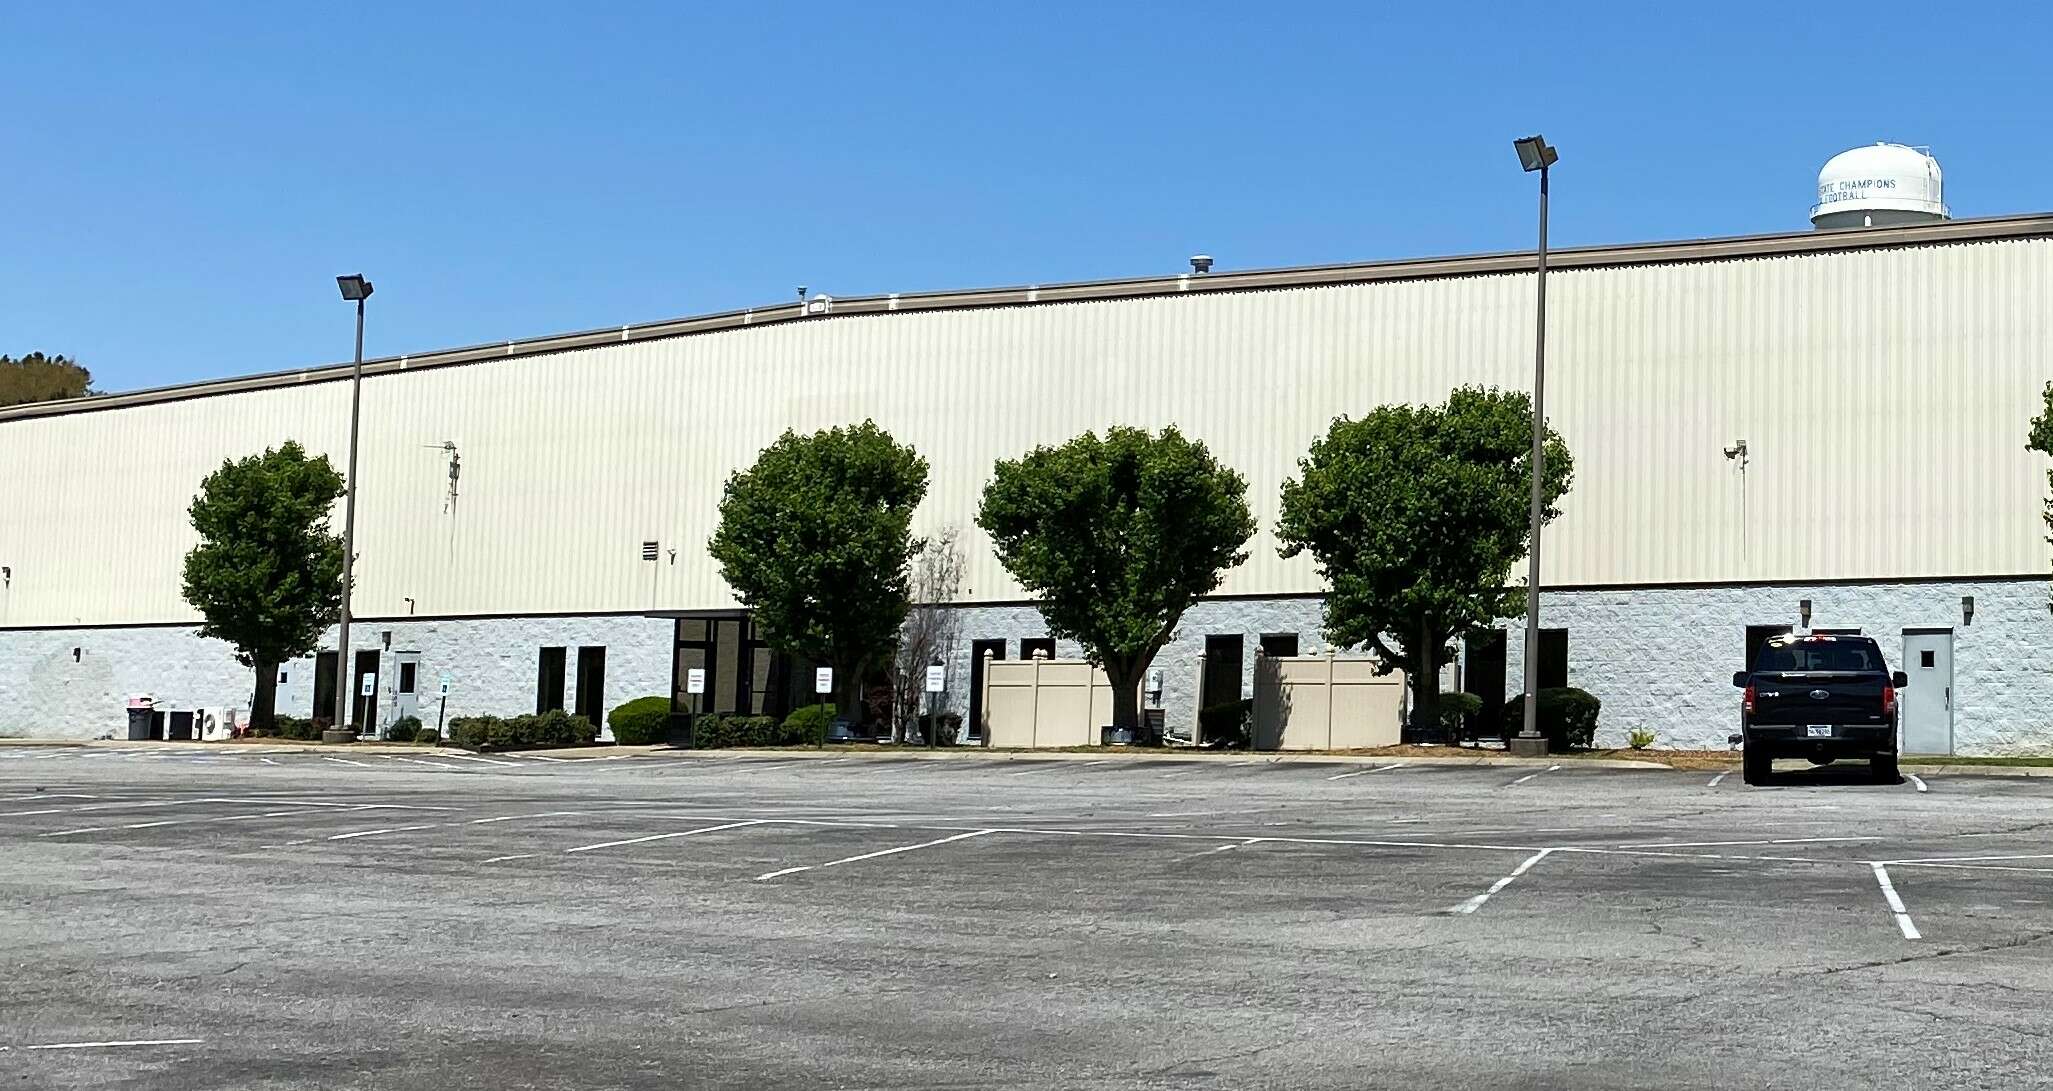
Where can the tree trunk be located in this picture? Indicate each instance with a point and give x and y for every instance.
(1425, 685)
(1126, 697)
(263, 708)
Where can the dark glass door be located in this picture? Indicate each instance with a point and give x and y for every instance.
(365, 704)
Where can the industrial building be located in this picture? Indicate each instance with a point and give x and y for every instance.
(1821, 429)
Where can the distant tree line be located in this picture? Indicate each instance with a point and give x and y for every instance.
(40, 378)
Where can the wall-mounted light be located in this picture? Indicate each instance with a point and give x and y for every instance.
(1967, 609)
(386, 638)
(409, 605)
(75, 653)
(1803, 609)
(6, 576)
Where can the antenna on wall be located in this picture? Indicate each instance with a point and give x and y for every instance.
(455, 472)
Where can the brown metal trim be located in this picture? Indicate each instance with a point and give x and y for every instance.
(1991, 229)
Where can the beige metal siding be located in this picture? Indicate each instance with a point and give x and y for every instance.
(1884, 395)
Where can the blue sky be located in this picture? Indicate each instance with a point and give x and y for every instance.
(184, 181)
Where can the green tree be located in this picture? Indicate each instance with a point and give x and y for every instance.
(815, 538)
(2041, 440)
(1116, 538)
(40, 378)
(267, 574)
(1415, 515)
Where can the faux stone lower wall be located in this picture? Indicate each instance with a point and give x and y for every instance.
(75, 683)
(1660, 658)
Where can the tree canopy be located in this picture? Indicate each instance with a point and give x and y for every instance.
(816, 538)
(1415, 516)
(267, 574)
(40, 378)
(1116, 538)
(2041, 440)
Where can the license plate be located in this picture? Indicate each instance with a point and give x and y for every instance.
(1819, 731)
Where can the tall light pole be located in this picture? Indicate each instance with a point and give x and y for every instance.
(355, 289)
(1535, 154)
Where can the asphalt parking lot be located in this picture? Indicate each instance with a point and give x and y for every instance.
(318, 921)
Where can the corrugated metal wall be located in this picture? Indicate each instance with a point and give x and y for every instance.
(1884, 396)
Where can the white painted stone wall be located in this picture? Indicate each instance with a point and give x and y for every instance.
(491, 664)
(1660, 658)
(1663, 658)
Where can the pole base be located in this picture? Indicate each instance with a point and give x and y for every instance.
(1527, 746)
(334, 735)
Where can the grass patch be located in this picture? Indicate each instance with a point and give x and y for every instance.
(1947, 759)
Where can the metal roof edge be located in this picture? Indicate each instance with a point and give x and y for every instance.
(1730, 248)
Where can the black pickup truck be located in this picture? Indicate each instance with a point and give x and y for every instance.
(1821, 698)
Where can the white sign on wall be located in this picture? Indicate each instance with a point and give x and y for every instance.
(823, 680)
(937, 678)
(695, 680)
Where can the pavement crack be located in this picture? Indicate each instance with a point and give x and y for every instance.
(1927, 956)
(1236, 1055)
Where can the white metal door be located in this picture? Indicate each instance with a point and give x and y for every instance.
(1926, 705)
(406, 696)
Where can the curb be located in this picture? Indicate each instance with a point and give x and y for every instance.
(1207, 757)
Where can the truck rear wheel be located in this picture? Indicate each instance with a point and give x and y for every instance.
(1756, 767)
(1883, 768)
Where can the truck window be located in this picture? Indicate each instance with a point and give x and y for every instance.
(1820, 655)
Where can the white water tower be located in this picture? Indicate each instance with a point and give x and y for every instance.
(1880, 185)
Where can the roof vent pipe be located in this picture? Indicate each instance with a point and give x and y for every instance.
(1201, 263)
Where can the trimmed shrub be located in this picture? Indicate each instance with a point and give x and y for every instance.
(428, 736)
(643, 721)
(540, 732)
(294, 727)
(1455, 711)
(404, 729)
(1567, 717)
(1227, 723)
(808, 725)
(717, 732)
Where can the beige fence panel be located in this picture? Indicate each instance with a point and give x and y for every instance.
(1324, 702)
(1044, 702)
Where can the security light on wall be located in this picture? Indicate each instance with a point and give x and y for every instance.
(1967, 609)
(1803, 609)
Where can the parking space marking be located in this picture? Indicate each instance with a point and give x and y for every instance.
(1183, 772)
(1719, 777)
(515, 856)
(474, 757)
(430, 764)
(267, 761)
(374, 833)
(1903, 922)
(346, 761)
(1916, 781)
(873, 855)
(115, 1045)
(667, 836)
(515, 817)
(1728, 844)
(1970, 859)
(1038, 767)
(1361, 772)
(1476, 902)
(47, 795)
(1531, 775)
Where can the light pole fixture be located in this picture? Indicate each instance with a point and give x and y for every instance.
(355, 289)
(1535, 154)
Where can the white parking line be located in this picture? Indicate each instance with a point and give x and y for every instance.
(1920, 785)
(1039, 767)
(666, 836)
(474, 757)
(1360, 772)
(374, 833)
(1182, 772)
(873, 855)
(1971, 859)
(115, 1045)
(1530, 776)
(346, 761)
(431, 764)
(47, 795)
(514, 817)
(1476, 902)
(515, 856)
(1903, 922)
(1723, 844)
(1719, 777)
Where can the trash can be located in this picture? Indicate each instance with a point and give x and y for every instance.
(141, 717)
